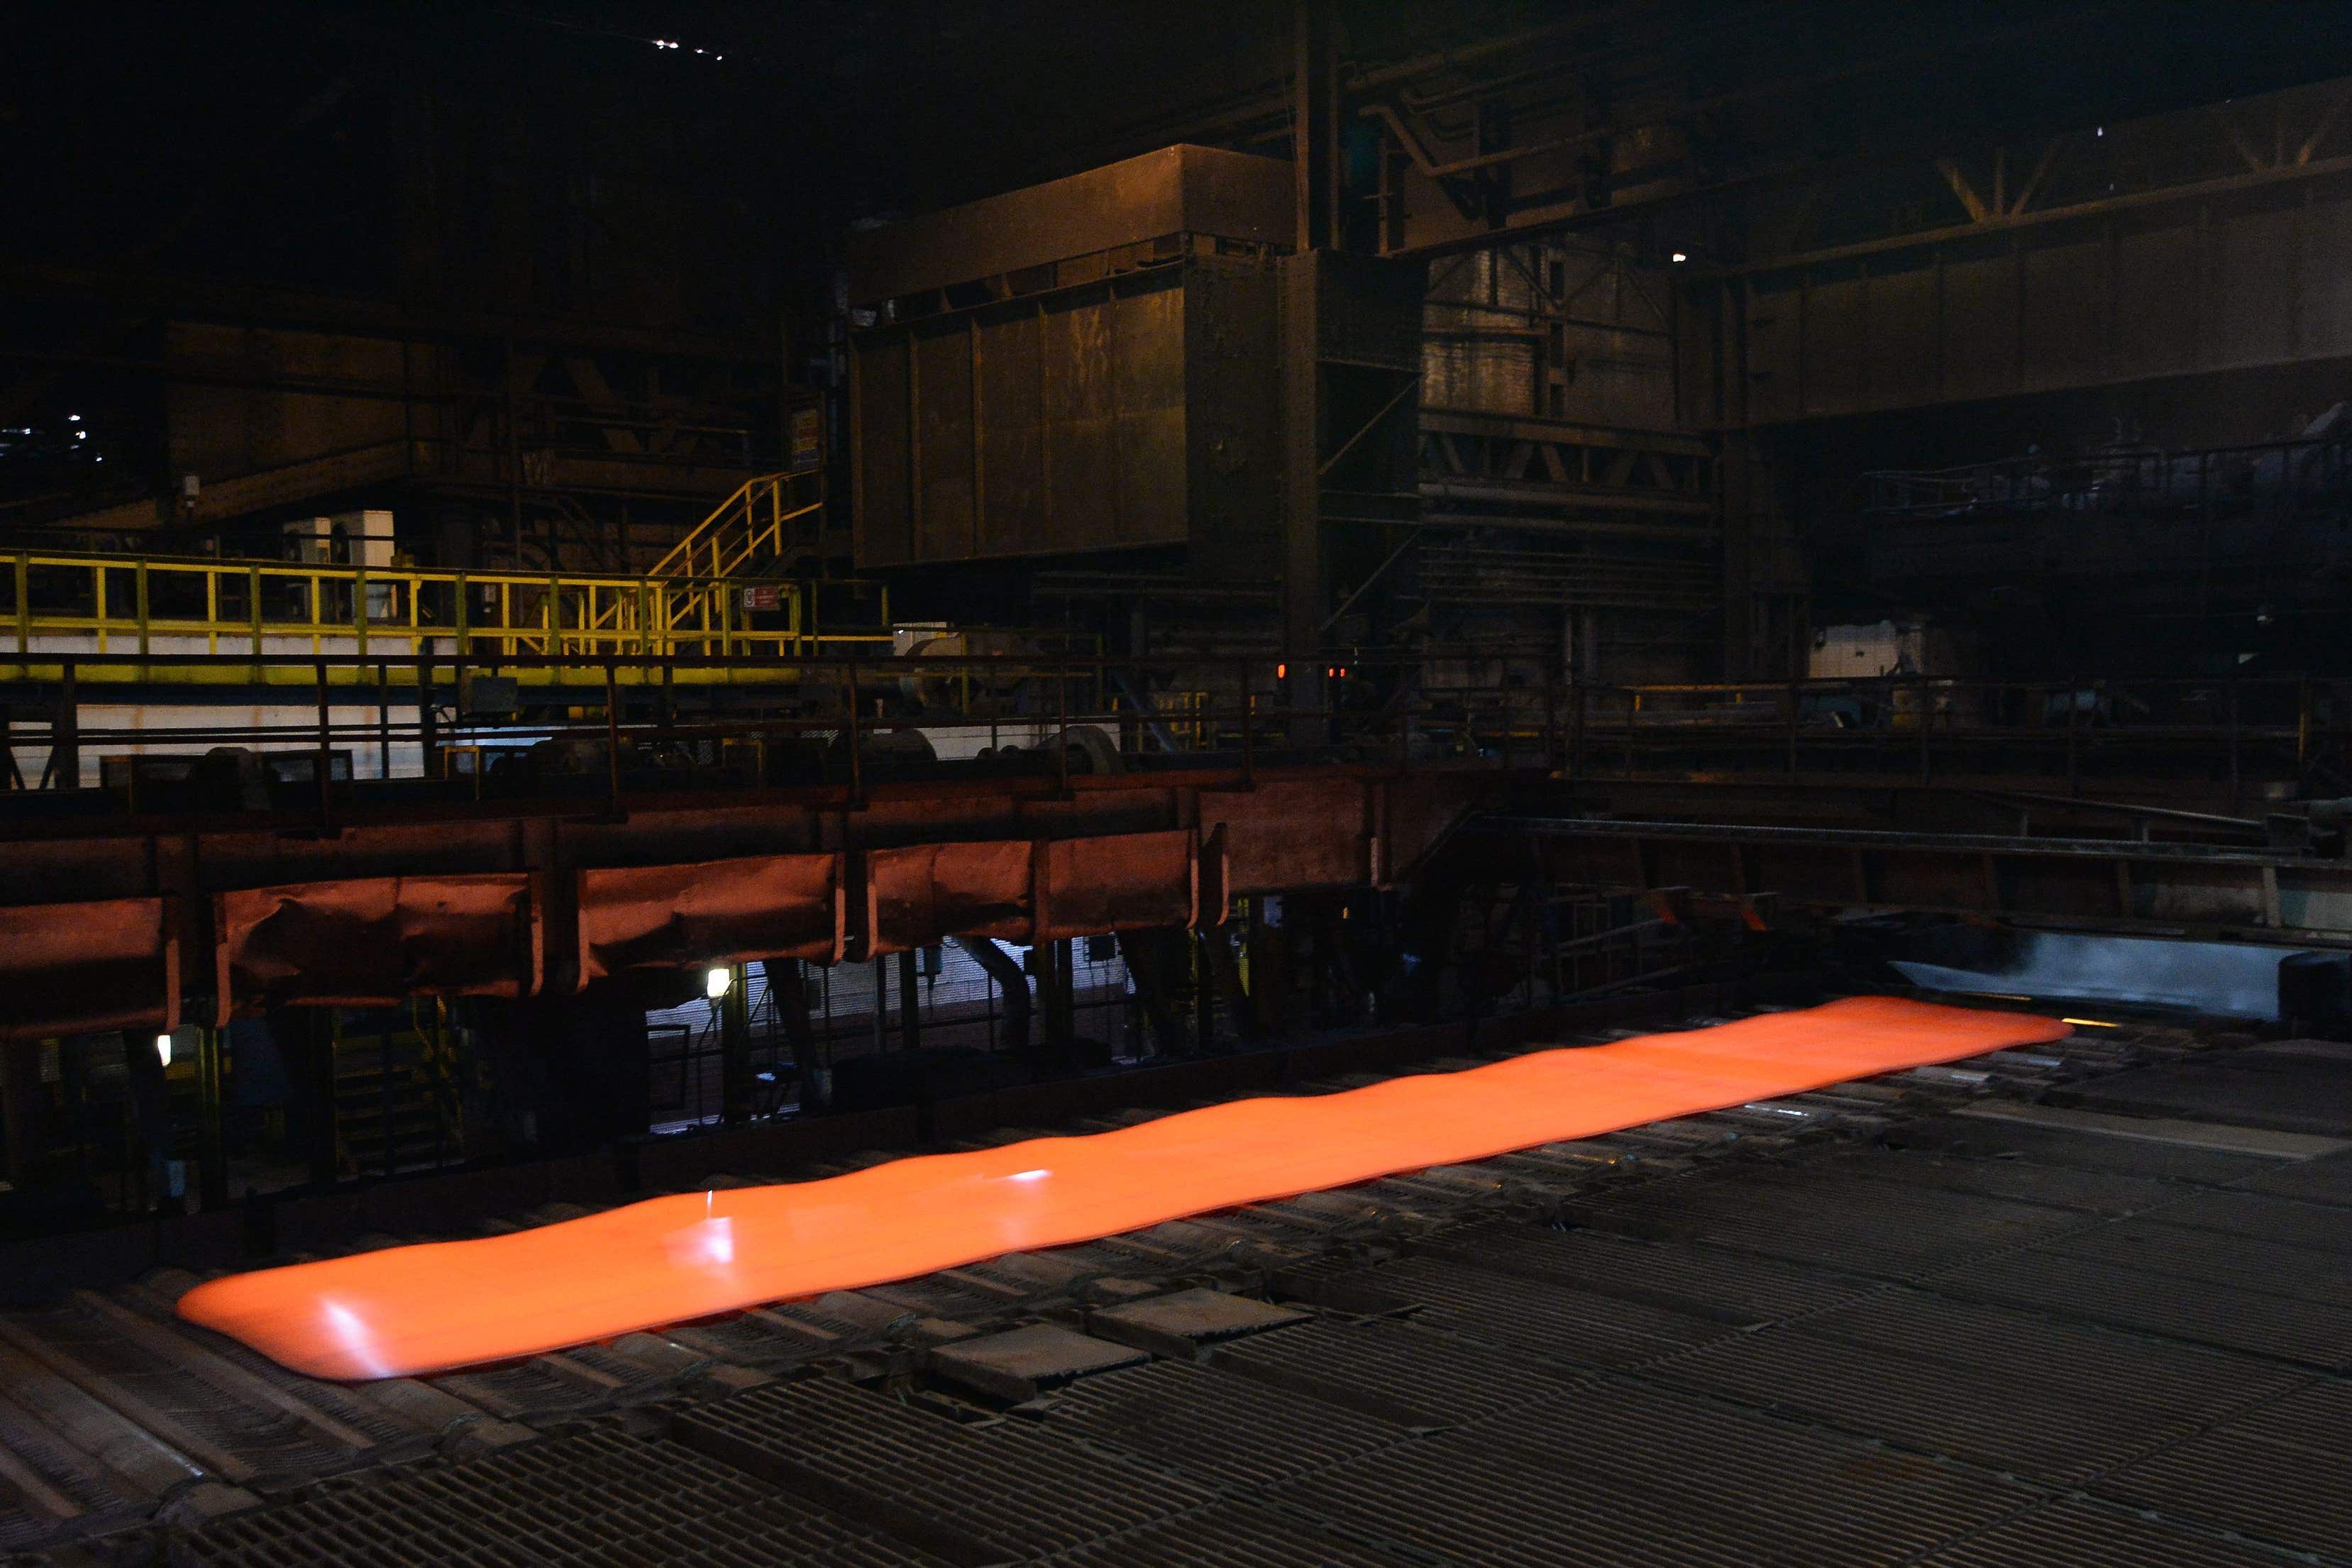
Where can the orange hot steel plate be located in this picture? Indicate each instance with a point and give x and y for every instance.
(406, 1310)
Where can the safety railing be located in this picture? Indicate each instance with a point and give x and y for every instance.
(2231, 729)
(58, 603)
(1071, 710)
(747, 526)
(2119, 480)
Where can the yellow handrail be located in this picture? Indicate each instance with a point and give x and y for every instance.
(736, 532)
(64, 602)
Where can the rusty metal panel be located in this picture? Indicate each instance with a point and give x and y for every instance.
(374, 941)
(72, 969)
(946, 492)
(919, 894)
(1182, 189)
(1081, 451)
(1215, 896)
(2156, 325)
(1067, 432)
(1148, 373)
(2323, 285)
(1903, 347)
(882, 398)
(710, 912)
(1130, 881)
(2064, 297)
(1980, 325)
(1010, 393)
(1836, 343)
(1272, 852)
(1233, 419)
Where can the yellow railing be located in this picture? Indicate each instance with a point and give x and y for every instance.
(745, 527)
(54, 604)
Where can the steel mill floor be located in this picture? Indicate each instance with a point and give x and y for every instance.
(2087, 1304)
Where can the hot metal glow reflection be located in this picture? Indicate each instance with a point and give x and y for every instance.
(406, 1311)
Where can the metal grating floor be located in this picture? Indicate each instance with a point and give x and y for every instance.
(1616, 1475)
(1212, 1426)
(599, 1499)
(1393, 1372)
(1002, 1491)
(1541, 1317)
(2279, 1474)
(1907, 1337)
(2085, 1535)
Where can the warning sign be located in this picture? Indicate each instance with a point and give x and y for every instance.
(808, 439)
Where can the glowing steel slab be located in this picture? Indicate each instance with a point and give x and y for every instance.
(411, 1309)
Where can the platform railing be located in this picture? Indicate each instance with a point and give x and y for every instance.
(54, 604)
(1066, 708)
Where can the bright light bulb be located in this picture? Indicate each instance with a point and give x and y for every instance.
(715, 983)
(1678, 256)
(163, 1048)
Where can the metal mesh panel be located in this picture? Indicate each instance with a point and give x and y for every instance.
(2097, 1191)
(1611, 1476)
(1387, 1370)
(273, 1441)
(1004, 1488)
(1226, 1535)
(1998, 1389)
(1876, 1228)
(1212, 1424)
(1539, 1316)
(2202, 1313)
(2043, 1148)
(594, 1500)
(1726, 1284)
(2327, 1181)
(2085, 1535)
(2276, 1474)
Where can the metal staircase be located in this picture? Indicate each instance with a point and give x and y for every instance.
(750, 526)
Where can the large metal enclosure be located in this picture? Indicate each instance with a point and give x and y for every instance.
(1084, 365)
